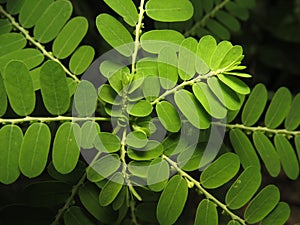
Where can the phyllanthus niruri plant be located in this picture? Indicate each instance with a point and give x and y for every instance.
(126, 138)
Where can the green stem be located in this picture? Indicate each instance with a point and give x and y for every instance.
(36, 43)
(203, 21)
(52, 119)
(202, 190)
(138, 31)
(259, 128)
(182, 85)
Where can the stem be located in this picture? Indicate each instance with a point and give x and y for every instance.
(138, 31)
(259, 128)
(182, 85)
(51, 119)
(36, 43)
(202, 190)
(202, 22)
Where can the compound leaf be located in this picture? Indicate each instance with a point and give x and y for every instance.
(267, 153)
(169, 11)
(255, 105)
(220, 171)
(54, 88)
(115, 34)
(75, 216)
(69, 37)
(168, 116)
(243, 189)
(11, 139)
(278, 108)
(191, 109)
(126, 9)
(244, 148)
(85, 98)
(34, 150)
(287, 156)
(58, 13)
(81, 59)
(66, 150)
(172, 200)
(262, 204)
(19, 88)
(206, 213)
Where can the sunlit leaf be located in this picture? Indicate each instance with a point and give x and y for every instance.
(107, 142)
(206, 213)
(206, 47)
(107, 94)
(218, 55)
(172, 200)
(187, 58)
(168, 116)
(235, 84)
(34, 150)
(243, 189)
(220, 171)
(11, 139)
(140, 109)
(232, 56)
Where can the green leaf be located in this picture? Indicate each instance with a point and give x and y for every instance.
(85, 98)
(46, 193)
(220, 171)
(14, 6)
(111, 189)
(233, 222)
(191, 109)
(218, 29)
(187, 58)
(218, 55)
(72, 85)
(158, 174)
(235, 84)
(69, 37)
(107, 94)
(267, 153)
(107, 142)
(58, 13)
(297, 144)
(206, 47)
(226, 95)
(66, 150)
(168, 116)
(19, 88)
(151, 87)
(232, 56)
(115, 34)
(169, 11)
(206, 213)
(155, 40)
(31, 11)
(35, 76)
(237, 11)
(139, 169)
(11, 139)
(278, 108)
(75, 216)
(287, 156)
(31, 57)
(208, 100)
(88, 195)
(255, 105)
(120, 199)
(89, 131)
(103, 168)
(54, 88)
(3, 97)
(126, 9)
(140, 109)
(243, 147)
(11, 42)
(190, 158)
(278, 216)
(152, 150)
(172, 200)
(81, 59)
(244, 187)
(5, 26)
(136, 139)
(34, 150)
(292, 120)
(167, 67)
(228, 20)
(262, 204)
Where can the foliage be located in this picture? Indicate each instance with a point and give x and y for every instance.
(129, 143)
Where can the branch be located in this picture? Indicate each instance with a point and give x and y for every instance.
(36, 43)
(202, 190)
